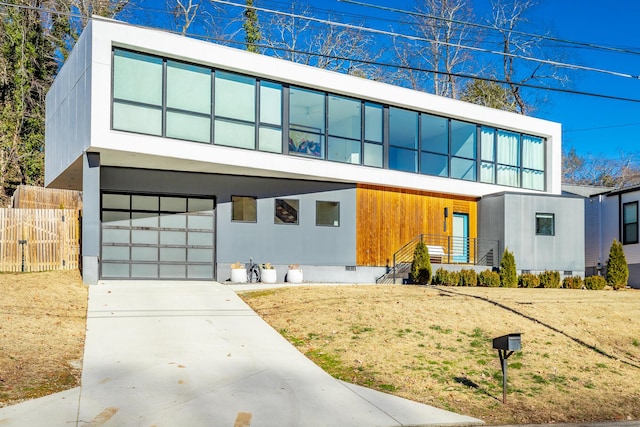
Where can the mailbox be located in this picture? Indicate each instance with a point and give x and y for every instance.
(506, 345)
(510, 342)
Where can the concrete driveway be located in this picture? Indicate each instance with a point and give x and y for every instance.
(161, 353)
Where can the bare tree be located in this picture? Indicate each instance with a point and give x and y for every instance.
(184, 13)
(509, 17)
(292, 37)
(621, 172)
(440, 24)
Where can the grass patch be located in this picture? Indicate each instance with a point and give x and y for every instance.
(453, 365)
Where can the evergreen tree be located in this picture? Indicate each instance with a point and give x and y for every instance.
(421, 265)
(27, 64)
(617, 268)
(508, 274)
(251, 28)
(489, 94)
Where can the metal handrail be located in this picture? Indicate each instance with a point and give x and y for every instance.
(450, 250)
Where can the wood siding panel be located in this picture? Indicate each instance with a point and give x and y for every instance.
(388, 218)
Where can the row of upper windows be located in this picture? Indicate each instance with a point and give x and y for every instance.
(162, 97)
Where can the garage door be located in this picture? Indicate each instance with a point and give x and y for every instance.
(157, 237)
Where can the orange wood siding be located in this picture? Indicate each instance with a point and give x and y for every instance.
(388, 218)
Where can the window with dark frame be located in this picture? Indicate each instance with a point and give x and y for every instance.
(244, 209)
(286, 211)
(328, 214)
(545, 224)
(169, 98)
(630, 223)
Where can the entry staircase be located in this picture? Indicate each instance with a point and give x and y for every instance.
(443, 249)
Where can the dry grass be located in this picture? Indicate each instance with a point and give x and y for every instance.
(580, 359)
(42, 330)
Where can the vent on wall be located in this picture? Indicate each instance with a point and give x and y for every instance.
(350, 268)
(568, 273)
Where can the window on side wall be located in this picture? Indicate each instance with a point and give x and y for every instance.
(545, 224)
(328, 214)
(630, 223)
(286, 211)
(244, 209)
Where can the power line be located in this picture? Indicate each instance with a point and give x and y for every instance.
(493, 28)
(601, 127)
(362, 61)
(416, 38)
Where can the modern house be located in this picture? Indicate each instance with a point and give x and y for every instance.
(192, 156)
(610, 215)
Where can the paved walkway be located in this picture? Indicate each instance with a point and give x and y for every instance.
(174, 354)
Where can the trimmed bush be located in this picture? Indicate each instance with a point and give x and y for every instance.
(467, 277)
(617, 268)
(528, 280)
(549, 279)
(453, 278)
(572, 282)
(421, 265)
(440, 277)
(445, 278)
(595, 283)
(489, 279)
(508, 275)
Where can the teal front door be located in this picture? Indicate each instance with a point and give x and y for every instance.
(460, 238)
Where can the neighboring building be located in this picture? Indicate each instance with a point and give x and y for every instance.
(192, 156)
(610, 215)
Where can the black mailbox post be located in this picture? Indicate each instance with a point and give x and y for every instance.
(506, 346)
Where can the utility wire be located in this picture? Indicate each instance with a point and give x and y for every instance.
(493, 28)
(382, 32)
(416, 38)
(340, 58)
(601, 127)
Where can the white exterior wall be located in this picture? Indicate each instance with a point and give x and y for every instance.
(143, 151)
(68, 112)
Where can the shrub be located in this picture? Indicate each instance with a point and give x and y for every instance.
(440, 277)
(467, 277)
(454, 278)
(421, 265)
(489, 279)
(617, 268)
(528, 280)
(508, 275)
(445, 278)
(595, 283)
(572, 282)
(549, 279)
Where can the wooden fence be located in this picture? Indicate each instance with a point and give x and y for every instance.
(33, 197)
(39, 239)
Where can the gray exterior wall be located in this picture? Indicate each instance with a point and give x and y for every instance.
(90, 222)
(511, 218)
(264, 241)
(68, 109)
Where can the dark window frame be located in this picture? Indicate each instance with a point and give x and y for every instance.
(276, 217)
(255, 201)
(626, 238)
(287, 127)
(540, 231)
(318, 202)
